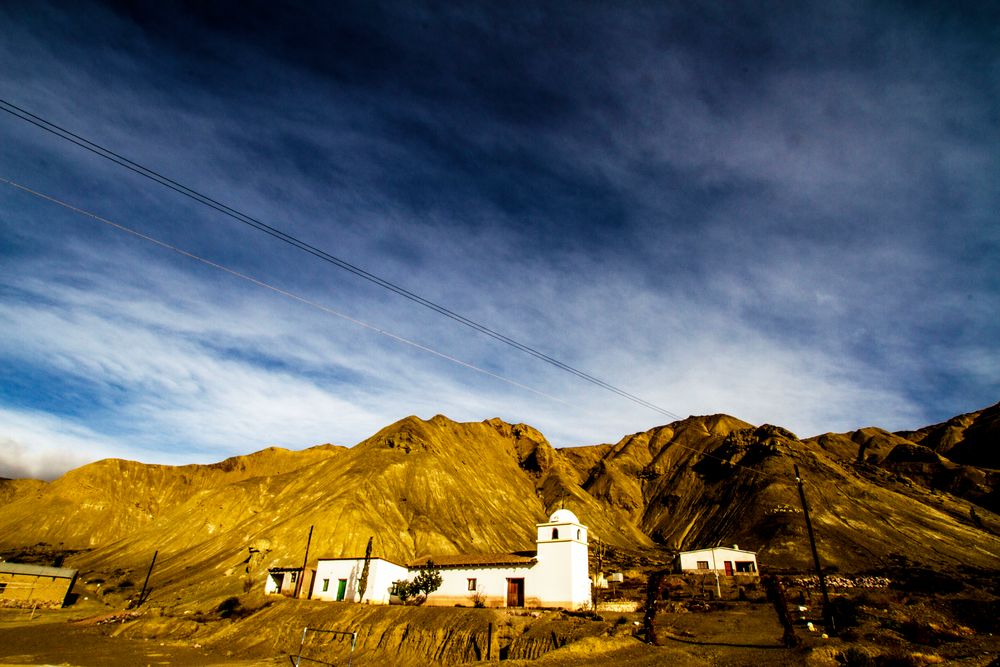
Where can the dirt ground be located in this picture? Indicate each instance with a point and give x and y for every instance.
(58, 637)
(729, 635)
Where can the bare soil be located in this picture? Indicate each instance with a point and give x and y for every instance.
(889, 629)
(71, 637)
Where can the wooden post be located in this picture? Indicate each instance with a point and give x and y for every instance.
(142, 593)
(654, 589)
(776, 594)
(827, 615)
(305, 560)
(489, 642)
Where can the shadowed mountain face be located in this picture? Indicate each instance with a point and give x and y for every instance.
(441, 487)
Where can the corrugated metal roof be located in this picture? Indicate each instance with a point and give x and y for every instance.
(36, 570)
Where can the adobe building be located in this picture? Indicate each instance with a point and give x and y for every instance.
(555, 575)
(24, 585)
(285, 581)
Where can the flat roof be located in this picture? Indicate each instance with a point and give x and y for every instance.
(36, 570)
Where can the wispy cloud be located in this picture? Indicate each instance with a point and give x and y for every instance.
(787, 217)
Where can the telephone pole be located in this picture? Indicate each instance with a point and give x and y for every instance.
(827, 615)
(305, 560)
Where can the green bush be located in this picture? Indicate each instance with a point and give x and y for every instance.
(426, 582)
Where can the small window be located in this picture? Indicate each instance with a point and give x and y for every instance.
(472, 583)
(326, 585)
(295, 575)
(703, 565)
(3, 586)
(578, 534)
(555, 533)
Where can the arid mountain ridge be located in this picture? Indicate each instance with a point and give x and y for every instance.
(435, 486)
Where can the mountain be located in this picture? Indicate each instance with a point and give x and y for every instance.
(426, 487)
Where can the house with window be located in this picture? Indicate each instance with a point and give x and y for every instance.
(338, 579)
(285, 581)
(555, 574)
(718, 560)
(23, 585)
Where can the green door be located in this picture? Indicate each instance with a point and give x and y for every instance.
(341, 588)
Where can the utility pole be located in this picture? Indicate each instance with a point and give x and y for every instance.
(827, 615)
(305, 560)
(715, 570)
(142, 593)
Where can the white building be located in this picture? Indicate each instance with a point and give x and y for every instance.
(556, 574)
(720, 560)
(339, 578)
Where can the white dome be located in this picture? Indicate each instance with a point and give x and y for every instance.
(563, 516)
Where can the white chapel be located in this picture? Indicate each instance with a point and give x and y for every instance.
(556, 574)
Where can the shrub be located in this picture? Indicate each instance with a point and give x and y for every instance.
(229, 608)
(415, 592)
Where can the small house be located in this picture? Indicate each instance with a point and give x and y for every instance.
(719, 560)
(338, 579)
(24, 585)
(285, 581)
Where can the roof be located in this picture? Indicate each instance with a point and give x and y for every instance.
(563, 515)
(373, 558)
(37, 570)
(478, 560)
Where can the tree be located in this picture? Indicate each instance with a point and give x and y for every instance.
(363, 582)
(598, 551)
(426, 582)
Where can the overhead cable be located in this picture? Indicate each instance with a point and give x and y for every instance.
(243, 218)
(278, 290)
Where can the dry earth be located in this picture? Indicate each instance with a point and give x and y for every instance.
(899, 503)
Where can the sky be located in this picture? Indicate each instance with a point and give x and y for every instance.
(786, 212)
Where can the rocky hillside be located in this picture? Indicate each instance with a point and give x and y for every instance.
(440, 487)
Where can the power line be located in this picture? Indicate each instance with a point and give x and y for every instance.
(243, 218)
(278, 290)
(327, 309)
(319, 306)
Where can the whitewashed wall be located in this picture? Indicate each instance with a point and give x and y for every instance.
(689, 559)
(562, 575)
(381, 575)
(491, 581)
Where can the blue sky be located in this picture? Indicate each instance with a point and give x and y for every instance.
(790, 216)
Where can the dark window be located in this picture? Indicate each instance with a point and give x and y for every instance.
(703, 565)
(3, 586)
(472, 583)
(555, 533)
(326, 585)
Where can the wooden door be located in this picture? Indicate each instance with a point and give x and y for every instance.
(729, 568)
(515, 592)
